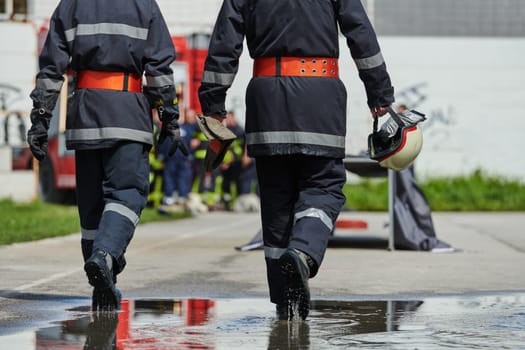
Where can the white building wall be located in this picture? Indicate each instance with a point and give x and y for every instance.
(189, 16)
(43, 8)
(18, 64)
(473, 89)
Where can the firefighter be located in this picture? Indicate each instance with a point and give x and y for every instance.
(232, 171)
(295, 122)
(110, 45)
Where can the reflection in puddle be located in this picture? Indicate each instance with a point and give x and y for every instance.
(467, 322)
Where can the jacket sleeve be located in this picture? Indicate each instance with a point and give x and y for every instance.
(53, 63)
(222, 62)
(159, 52)
(366, 53)
(159, 55)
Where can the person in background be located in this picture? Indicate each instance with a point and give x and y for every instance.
(231, 168)
(248, 175)
(156, 168)
(295, 122)
(177, 171)
(203, 182)
(110, 45)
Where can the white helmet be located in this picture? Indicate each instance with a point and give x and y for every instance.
(399, 140)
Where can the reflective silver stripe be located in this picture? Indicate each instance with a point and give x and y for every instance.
(88, 234)
(369, 62)
(254, 138)
(315, 213)
(109, 133)
(273, 253)
(225, 79)
(124, 211)
(49, 84)
(159, 81)
(107, 28)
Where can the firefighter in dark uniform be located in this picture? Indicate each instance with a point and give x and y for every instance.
(110, 45)
(295, 121)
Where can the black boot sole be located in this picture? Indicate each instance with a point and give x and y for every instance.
(298, 292)
(105, 296)
(97, 276)
(106, 299)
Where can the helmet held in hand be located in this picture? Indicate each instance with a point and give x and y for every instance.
(398, 141)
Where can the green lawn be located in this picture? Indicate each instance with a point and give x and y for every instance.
(476, 192)
(21, 222)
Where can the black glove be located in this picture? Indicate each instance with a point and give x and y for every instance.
(172, 130)
(37, 134)
(44, 101)
(164, 99)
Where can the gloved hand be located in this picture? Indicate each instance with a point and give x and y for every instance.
(379, 111)
(37, 134)
(220, 139)
(215, 153)
(172, 130)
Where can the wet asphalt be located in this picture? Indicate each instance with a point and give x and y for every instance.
(185, 285)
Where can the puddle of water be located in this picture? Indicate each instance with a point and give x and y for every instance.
(460, 322)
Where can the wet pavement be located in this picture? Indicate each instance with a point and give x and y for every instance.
(188, 288)
(478, 321)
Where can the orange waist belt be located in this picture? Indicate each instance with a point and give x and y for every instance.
(296, 67)
(120, 81)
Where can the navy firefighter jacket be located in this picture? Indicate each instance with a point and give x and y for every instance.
(293, 114)
(128, 36)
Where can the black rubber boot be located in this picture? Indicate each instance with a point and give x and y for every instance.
(102, 332)
(100, 275)
(282, 312)
(290, 336)
(295, 265)
(106, 299)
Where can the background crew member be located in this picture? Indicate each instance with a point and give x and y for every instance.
(231, 169)
(177, 172)
(109, 44)
(295, 121)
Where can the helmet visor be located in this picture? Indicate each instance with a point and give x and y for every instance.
(392, 134)
(382, 144)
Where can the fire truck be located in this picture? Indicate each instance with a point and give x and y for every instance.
(57, 172)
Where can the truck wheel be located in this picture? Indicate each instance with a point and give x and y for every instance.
(48, 191)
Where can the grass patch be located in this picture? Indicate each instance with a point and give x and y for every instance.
(475, 192)
(22, 222)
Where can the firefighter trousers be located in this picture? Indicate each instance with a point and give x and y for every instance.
(301, 197)
(112, 189)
